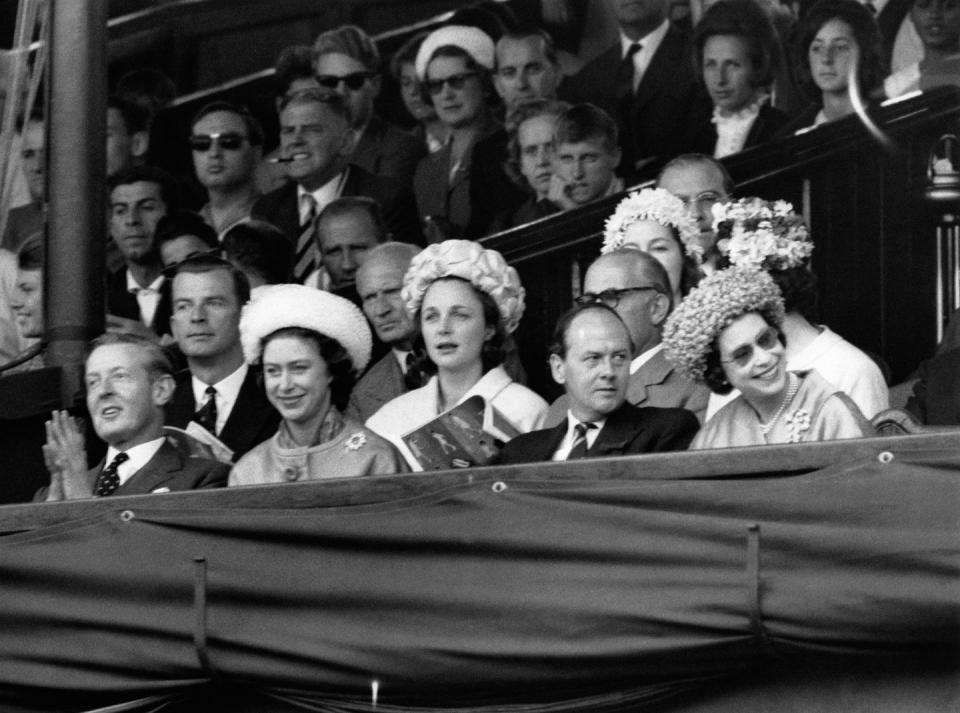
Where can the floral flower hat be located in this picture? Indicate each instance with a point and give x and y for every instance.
(752, 232)
(660, 206)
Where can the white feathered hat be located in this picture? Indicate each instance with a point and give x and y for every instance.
(280, 306)
(473, 41)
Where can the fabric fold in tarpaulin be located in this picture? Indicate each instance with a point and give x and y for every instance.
(489, 593)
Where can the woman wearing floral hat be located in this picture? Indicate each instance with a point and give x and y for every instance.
(726, 333)
(759, 234)
(311, 345)
(655, 221)
(466, 300)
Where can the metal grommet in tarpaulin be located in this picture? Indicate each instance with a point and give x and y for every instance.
(885, 457)
(499, 486)
(755, 603)
(200, 610)
(127, 516)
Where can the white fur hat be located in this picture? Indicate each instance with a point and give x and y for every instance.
(471, 40)
(279, 306)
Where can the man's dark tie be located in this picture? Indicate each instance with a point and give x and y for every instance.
(305, 261)
(579, 449)
(109, 480)
(625, 97)
(412, 378)
(207, 415)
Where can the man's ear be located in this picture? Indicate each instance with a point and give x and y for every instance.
(659, 309)
(140, 144)
(163, 388)
(557, 369)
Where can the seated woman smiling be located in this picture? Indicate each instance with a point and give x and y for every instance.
(311, 345)
(726, 333)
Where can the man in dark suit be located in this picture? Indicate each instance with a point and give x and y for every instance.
(647, 82)
(128, 382)
(139, 197)
(379, 281)
(218, 392)
(634, 284)
(316, 142)
(590, 357)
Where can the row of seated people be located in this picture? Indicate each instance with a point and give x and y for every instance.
(660, 91)
(280, 384)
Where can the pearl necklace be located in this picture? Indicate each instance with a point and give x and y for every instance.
(787, 399)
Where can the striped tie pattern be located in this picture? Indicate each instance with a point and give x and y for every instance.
(305, 261)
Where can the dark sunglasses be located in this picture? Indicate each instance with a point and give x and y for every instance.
(456, 81)
(611, 298)
(354, 80)
(766, 340)
(227, 140)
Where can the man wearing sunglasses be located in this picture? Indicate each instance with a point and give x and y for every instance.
(347, 61)
(227, 145)
(316, 143)
(636, 286)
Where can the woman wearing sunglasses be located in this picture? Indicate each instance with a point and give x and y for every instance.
(726, 334)
(454, 65)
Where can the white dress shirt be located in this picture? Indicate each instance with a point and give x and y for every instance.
(147, 297)
(324, 195)
(137, 457)
(566, 445)
(649, 44)
(227, 388)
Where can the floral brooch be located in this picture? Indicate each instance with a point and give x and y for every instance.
(357, 441)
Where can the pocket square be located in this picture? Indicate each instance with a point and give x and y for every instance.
(161, 490)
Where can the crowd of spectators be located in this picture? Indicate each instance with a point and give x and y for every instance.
(327, 303)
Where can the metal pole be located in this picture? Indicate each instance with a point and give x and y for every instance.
(76, 157)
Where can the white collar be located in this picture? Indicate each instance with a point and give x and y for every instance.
(134, 287)
(642, 359)
(741, 116)
(401, 356)
(137, 457)
(650, 41)
(228, 389)
(326, 193)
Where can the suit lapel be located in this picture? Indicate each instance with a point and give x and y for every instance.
(661, 70)
(615, 435)
(162, 467)
(250, 412)
(654, 372)
(543, 448)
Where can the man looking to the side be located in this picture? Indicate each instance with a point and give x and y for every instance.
(590, 357)
(128, 381)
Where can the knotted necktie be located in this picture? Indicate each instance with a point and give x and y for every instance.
(207, 415)
(305, 260)
(412, 378)
(579, 449)
(109, 480)
(625, 87)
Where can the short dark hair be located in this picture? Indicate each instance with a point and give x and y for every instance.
(746, 20)
(521, 113)
(158, 363)
(199, 264)
(871, 68)
(407, 54)
(339, 365)
(526, 29)
(169, 190)
(559, 345)
(259, 247)
(351, 41)
(250, 122)
(148, 87)
(799, 288)
(583, 122)
(355, 204)
(319, 95)
(135, 117)
(30, 256)
(493, 352)
(687, 159)
(293, 63)
(184, 222)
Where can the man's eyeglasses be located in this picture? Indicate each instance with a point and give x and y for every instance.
(227, 140)
(456, 82)
(611, 298)
(703, 201)
(354, 80)
(768, 339)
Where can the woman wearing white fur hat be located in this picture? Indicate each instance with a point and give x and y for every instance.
(466, 300)
(311, 345)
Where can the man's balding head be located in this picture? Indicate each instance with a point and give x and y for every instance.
(640, 288)
(379, 281)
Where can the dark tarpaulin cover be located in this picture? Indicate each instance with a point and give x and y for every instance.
(486, 593)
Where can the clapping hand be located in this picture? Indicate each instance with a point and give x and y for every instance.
(65, 456)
